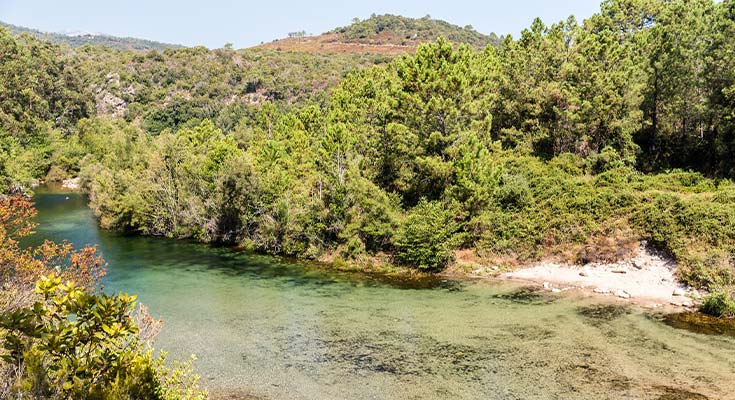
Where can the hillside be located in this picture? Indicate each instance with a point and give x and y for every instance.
(383, 34)
(78, 40)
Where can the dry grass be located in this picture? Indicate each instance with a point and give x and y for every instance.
(333, 43)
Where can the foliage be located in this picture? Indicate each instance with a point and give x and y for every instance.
(75, 344)
(413, 30)
(20, 267)
(719, 304)
(428, 237)
(66, 341)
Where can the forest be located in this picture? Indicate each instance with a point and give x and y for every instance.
(573, 141)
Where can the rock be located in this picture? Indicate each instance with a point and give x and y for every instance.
(555, 290)
(584, 273)
(637, 265)
(72, 184)
(547, 285)
(602, 291)
(622, 294)
(679, 292)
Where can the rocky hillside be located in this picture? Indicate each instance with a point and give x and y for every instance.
(81, 39)
(383, 34)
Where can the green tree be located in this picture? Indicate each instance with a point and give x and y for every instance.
(428, 236)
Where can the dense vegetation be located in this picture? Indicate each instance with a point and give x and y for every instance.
(114, 42)
(63, 340)
(575, 141)
(407, 31)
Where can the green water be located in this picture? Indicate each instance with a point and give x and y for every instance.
(267, 328)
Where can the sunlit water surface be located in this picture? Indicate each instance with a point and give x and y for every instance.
(274, 329)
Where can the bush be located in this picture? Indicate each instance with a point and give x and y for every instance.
(74, 344)
(427, 238)
(719, 303)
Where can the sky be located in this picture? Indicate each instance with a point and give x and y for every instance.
(213, 23)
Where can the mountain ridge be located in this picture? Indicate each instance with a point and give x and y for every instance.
(78, 39)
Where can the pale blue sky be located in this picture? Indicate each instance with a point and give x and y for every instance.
(244, 23)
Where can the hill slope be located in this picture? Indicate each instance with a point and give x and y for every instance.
(122, 43)
(384, 34)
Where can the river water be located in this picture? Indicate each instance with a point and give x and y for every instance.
(263, 327)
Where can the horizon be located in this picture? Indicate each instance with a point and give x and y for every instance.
(221, 22)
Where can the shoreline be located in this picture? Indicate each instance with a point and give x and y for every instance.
(647, 279)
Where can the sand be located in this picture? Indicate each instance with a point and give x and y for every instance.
(647, 279)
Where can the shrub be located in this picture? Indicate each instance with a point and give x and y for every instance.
(513, 192)
(606, 160)
(427, 237)
(75, 344)
(719, 303)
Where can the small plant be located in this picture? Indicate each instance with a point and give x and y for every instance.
(719, 303)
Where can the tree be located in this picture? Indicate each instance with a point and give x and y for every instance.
(427, 238)
(409, 117)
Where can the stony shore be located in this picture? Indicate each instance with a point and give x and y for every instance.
(648, 279)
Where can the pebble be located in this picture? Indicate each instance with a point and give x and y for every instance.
(602, 291)
(547, 285)
(622, 294)
(637, 265)
(555, 290)
(679, 292)
(584, 273)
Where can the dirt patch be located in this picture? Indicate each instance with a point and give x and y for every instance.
(331, 43)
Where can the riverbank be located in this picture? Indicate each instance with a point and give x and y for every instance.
(647, 279)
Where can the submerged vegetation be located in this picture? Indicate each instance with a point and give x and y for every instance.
(575, 141)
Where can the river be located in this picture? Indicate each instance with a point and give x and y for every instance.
(263, 327)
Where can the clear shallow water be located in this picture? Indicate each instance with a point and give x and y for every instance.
(268, 328)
